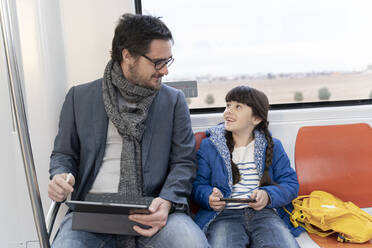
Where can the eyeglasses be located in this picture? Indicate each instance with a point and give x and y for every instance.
(159, 64)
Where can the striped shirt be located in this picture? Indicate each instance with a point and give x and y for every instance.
(243, 157)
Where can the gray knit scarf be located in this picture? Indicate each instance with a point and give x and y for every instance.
(127, 106)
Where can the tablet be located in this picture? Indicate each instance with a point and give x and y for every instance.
(109, 208)
(238, 200)
(111, 218)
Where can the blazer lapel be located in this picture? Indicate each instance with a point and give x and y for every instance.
(100, 121)
(150, 125)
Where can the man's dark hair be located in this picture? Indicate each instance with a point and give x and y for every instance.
(135, 33)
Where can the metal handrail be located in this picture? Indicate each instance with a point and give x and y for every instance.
(21, 122)
(54, 208)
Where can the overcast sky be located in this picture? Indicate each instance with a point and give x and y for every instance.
(237, 37)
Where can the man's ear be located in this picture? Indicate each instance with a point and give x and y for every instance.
(127, 56)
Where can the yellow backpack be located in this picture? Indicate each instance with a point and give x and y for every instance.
(323, 214)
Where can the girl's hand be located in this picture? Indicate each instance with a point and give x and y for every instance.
(262, 199)
(214, 200)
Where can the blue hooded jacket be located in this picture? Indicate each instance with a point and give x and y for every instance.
(214, 170)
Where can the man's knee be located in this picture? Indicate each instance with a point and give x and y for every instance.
(187, 231)
(180, 231)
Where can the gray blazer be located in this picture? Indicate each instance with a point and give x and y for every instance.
(168, 144)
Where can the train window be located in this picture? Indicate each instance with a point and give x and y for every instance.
(294, 51)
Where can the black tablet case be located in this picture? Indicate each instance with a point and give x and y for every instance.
(105, 218)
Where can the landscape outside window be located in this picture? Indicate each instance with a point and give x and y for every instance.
(294, 51)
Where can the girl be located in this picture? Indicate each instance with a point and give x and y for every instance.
(240, 159)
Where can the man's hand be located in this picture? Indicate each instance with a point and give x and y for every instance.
(214, 200)
(58, 188)
(262, 199)
(157, 219)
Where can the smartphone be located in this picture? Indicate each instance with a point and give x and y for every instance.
(238, 200)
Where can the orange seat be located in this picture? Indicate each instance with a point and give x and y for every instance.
(199, 136)
(336, 159)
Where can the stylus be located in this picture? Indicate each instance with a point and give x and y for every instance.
(53, 205)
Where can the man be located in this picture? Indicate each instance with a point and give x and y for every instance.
(130, 134)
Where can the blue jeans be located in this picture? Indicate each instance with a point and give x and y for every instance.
(250, 228)
(180, 231)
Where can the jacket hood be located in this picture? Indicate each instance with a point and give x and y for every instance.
(216, 135)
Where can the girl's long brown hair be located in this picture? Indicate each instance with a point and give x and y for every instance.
(259, 103)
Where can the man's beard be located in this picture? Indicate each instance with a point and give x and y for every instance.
(136, 78)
